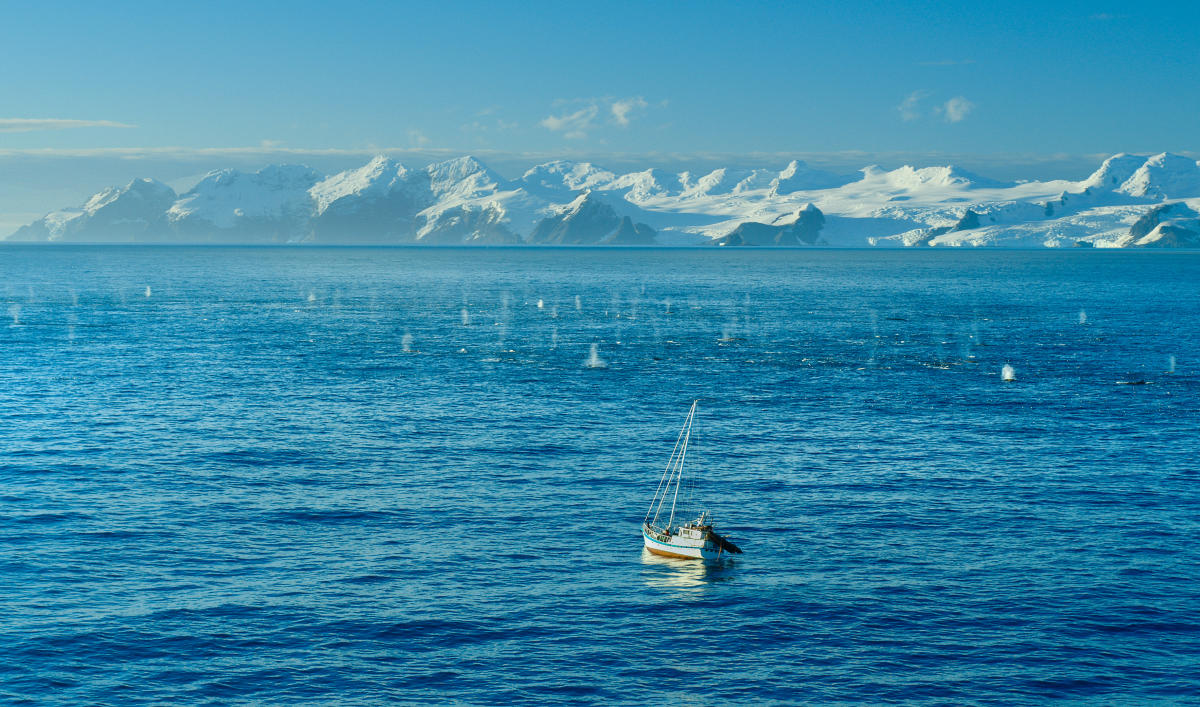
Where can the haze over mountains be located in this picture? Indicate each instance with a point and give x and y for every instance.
(1129, 201)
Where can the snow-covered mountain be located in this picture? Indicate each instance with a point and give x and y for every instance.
(378, 202)
(1172, 225)
(1129, 201)
(590, 219)
(1113, 172)
(272, 204)
(801, 228)
(1165, 176)
(798, 176)
(561, 176)
(128, 213)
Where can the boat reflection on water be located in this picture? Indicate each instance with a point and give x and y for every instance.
(683, 575)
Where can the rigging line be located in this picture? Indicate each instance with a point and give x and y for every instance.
(689, 506)
(676, 467)
(682, 456)
(669, 472)
(678, 478)
(670, 461)
(667, 487)
(673, 464)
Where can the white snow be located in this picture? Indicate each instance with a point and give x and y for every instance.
(462, 178)
(1165, 176)
(227, 197)
(798, 176)
(563, 175)
(56, 221)
(1114, 171)
(939, 206)
(377, 178)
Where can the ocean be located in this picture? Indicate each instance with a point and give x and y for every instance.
(359, 475)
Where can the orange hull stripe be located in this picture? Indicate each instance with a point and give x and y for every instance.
(664, 553)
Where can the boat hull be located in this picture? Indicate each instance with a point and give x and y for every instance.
(681, 548)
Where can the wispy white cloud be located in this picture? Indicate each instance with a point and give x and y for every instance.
(573, 125)
(952, 111)
(910, 107)
(621, 109)
(956, 109)
(581, 115)
(28, 125)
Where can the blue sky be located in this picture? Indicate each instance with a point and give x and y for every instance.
(94, 94)
(620, 77)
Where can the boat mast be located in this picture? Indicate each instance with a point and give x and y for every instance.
(682, 454)
(665, 476)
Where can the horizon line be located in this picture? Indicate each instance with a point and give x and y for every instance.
(175, 151)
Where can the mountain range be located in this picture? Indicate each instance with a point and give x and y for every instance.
(1128, 201)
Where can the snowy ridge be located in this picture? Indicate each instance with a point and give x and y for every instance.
(798, 176)
(1165, 176)
(231, 203)
(377, 179)
(1128, 201)
(1113, 172)
(125, 213)
(462, 178)
(561, 175)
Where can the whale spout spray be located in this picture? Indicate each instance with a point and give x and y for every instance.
(594, 360)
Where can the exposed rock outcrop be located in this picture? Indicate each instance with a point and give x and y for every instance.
(589, 220)
(804, 229)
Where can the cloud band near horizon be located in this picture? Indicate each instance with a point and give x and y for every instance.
(28, 125)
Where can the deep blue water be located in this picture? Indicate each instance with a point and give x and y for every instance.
(236, 486)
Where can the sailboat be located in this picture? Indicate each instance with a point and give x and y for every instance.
(694, 539)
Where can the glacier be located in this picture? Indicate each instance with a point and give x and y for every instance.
(1139, 201)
